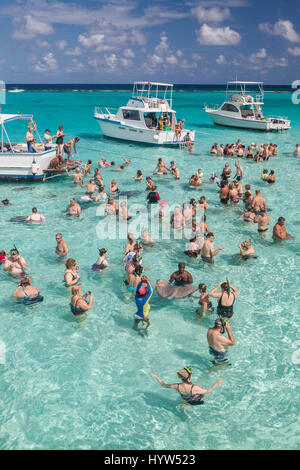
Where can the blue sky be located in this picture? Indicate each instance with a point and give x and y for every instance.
(119, 41)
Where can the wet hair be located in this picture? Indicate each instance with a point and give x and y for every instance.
(281, 219)
(70, 263)
(226, 287)
(112, 163)
(139, 173)
(34, 209)
(89, 161)
(76, 289)
(102, 251)
(138, 270)
(202, 287)
(130, 237)
(25, 281)
(122, 166)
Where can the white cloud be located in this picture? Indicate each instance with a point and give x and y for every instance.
(61, 44)
(46, 64)
(29, 27)
(221, 60)
(75, 66)
(129, 53)
(196, 56)
(257, 56)
(75, 52)
(42, 44)
(210, 36)
(215, 14)
(283, 28)
(294, 51)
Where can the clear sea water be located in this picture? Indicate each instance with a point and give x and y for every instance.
(86, 385)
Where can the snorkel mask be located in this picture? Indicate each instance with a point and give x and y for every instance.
(189, 370)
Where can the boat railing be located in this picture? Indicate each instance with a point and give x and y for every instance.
(279, 118)
(104, 110)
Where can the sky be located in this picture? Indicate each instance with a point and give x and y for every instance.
(120, 41)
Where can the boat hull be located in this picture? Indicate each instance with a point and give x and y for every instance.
(18, 166)
(255, 124)
(117, 130)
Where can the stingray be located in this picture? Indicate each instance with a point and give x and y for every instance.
(129, 193)
(24, 188)
(21, 219)
(168, 291)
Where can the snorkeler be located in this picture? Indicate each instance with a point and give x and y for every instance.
(15, 264)
(218, 343)
(190, 393)
(28, 293)
(246, 250)
(226, 298)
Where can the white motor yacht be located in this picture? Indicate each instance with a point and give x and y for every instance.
(148, 117)
(16, 162)
(244, 110)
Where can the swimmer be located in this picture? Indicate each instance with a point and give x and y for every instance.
(153, 197)
(233, 194)
(150, 184)
(264, 176)
(258, 202)
(90, 188)
(112, 207)
(134, 279)
(208, 251)
(78, 303)
(224, 192)
(27, 292)
(113, 187)
(123, 166)
(204, 301)
(161, 168)
(174, 170)
(177, 219)
(138, 176)
(15, 264)
(263, 220)
(35, 217)
(218, 343)
(190, 393)
(193, 248)
(124, 213)
(77, 176)
(239, 175)
(279, 230)
(71, 276)
(226, 173)
(226, 298)
(98, 178)
(102, 262)
(87, 168)
(246, 249)
(131, 243)
(101, 196)
(195, 181)
(297, 150)
(248, 215)
(147, 240)
(5, 202)
(202, 202)
(214, 149)
(162, 213)
(181, 277)
(73, 208)
(249, 153)
(271, 177)
(214, 178)
(62, 248)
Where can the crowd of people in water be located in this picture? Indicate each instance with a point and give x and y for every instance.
(191, 216)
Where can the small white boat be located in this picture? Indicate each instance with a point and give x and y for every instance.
(244, 110)
(148, 117)
(16, 162)
(16, 90)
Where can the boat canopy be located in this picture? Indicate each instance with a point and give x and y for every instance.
(14, 117)
(153, 91)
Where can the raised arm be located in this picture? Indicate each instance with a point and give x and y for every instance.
(174, 386)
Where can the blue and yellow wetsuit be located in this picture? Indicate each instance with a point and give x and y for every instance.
(142, 303)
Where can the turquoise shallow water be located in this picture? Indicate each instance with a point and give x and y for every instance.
(86, 385)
